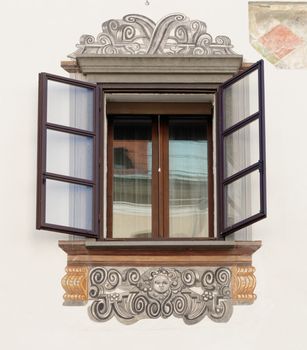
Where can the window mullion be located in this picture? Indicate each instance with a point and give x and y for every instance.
(155, 179)
(164, 176)
(160, 176)
(210, 178)
(110, 180)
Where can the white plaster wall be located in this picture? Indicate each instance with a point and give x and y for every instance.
(35, 36)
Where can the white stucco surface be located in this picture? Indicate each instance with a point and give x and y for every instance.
(36, 36)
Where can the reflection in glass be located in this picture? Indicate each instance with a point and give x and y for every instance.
(241, 148)
(188, 178)
(242, 198)
(70, 105)
(69, 154)
(69, 204)
(241, 99)
(132, 164)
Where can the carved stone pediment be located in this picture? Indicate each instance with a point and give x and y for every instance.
(175, 34)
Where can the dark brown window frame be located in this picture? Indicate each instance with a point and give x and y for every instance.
(222, 132)
(160, 191)
(98, 182)
(43, 175)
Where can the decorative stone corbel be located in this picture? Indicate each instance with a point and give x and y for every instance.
(75, 284)
(243, 284)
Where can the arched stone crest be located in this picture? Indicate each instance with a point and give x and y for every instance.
(175, 34)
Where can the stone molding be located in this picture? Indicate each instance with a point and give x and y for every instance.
(193, 253)
(158, 69)
(134, 34)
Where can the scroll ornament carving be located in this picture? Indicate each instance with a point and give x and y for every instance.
(135, 34)
(131, 295)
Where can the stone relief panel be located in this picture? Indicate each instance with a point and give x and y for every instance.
(175, 34)
(131, 294)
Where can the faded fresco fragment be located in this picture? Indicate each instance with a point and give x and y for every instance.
(278, 30)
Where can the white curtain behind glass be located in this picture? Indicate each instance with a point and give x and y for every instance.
(241, 152)
(188, 178)
(81, 156)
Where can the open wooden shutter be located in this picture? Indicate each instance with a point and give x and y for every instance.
(67, 181)
(241, 148)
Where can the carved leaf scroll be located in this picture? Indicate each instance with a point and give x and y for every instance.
(175, 34)
(130, 294)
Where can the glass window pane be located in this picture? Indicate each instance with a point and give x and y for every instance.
(69, 205)
(132, 164)
(241, 148)
(69, 154)
(242, 198)
(241, 99)
(70, 105)
(188, 178)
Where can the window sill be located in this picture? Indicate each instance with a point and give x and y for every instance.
(167, 253)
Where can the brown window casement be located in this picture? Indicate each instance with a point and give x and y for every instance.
(150, 169)
(160, 180)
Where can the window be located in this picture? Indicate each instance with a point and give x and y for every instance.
(158, 183)
(158, 171)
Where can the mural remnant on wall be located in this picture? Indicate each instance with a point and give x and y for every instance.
(278, 31)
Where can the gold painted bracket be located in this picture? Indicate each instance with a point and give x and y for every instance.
(75, 284)
(243, 284)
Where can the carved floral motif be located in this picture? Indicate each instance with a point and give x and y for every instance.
(174, 34)
(130, 295)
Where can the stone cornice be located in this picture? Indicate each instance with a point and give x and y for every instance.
(156, 69)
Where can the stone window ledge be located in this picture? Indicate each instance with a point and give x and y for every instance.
(140, 253)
